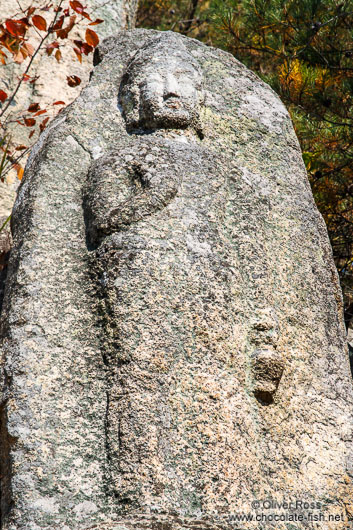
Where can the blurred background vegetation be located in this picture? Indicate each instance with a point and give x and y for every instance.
(304, 50)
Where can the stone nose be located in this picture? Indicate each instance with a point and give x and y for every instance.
(171, 87)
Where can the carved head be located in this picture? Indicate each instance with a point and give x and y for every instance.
(162, 87)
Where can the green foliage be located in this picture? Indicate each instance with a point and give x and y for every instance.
(304, 50)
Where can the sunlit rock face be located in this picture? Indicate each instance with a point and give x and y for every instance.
(173, 347)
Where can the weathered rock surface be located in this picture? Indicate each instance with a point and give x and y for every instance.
(173, 342)
(52, 83)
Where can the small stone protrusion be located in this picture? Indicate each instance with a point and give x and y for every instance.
(267, 368)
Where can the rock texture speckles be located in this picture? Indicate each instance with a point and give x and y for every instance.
(173, 346)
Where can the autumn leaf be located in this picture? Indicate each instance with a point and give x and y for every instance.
(71, 23)
(18, 58)
(3, 96)
(59, 103)
(34, 107)
(95, 22)
(24, 52)
(39, 22)
(78, 54)
(31, 134)
(73, 80)
(43, 124)
(59, 23)
(58, 55)
(62, 33)
(25, 21)
(21, 147)
(82, 47)
(91, 37)
(50, 47)
(40, 112)
(15, 27)
(30, 11)
(29, 122)
(3, 57)
(29, 48)
(86, 48)
(20, 171)
(77, 6)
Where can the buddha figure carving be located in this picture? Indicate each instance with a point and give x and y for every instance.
(145, 207)
(173, 349)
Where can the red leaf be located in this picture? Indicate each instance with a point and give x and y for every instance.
(26, 77)
(71, 23)
(43, 124)
(21, 147)
(86, 48)
(83, 47)
(39, 22)
(91, 37)
(58, 55)
(29, 122)
(31, 134)
(59, 23)
(25, 21)
(15, 27)
(40, 112)
(34, 107)
(3, 96)
(30, 11)
(73, 80)
(50, 47)
(59, 103)
(95, 22)
(78, 54)
(62, 33)
(77, 6)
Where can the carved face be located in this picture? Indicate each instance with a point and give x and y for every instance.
(169, 95)
(164, 92)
